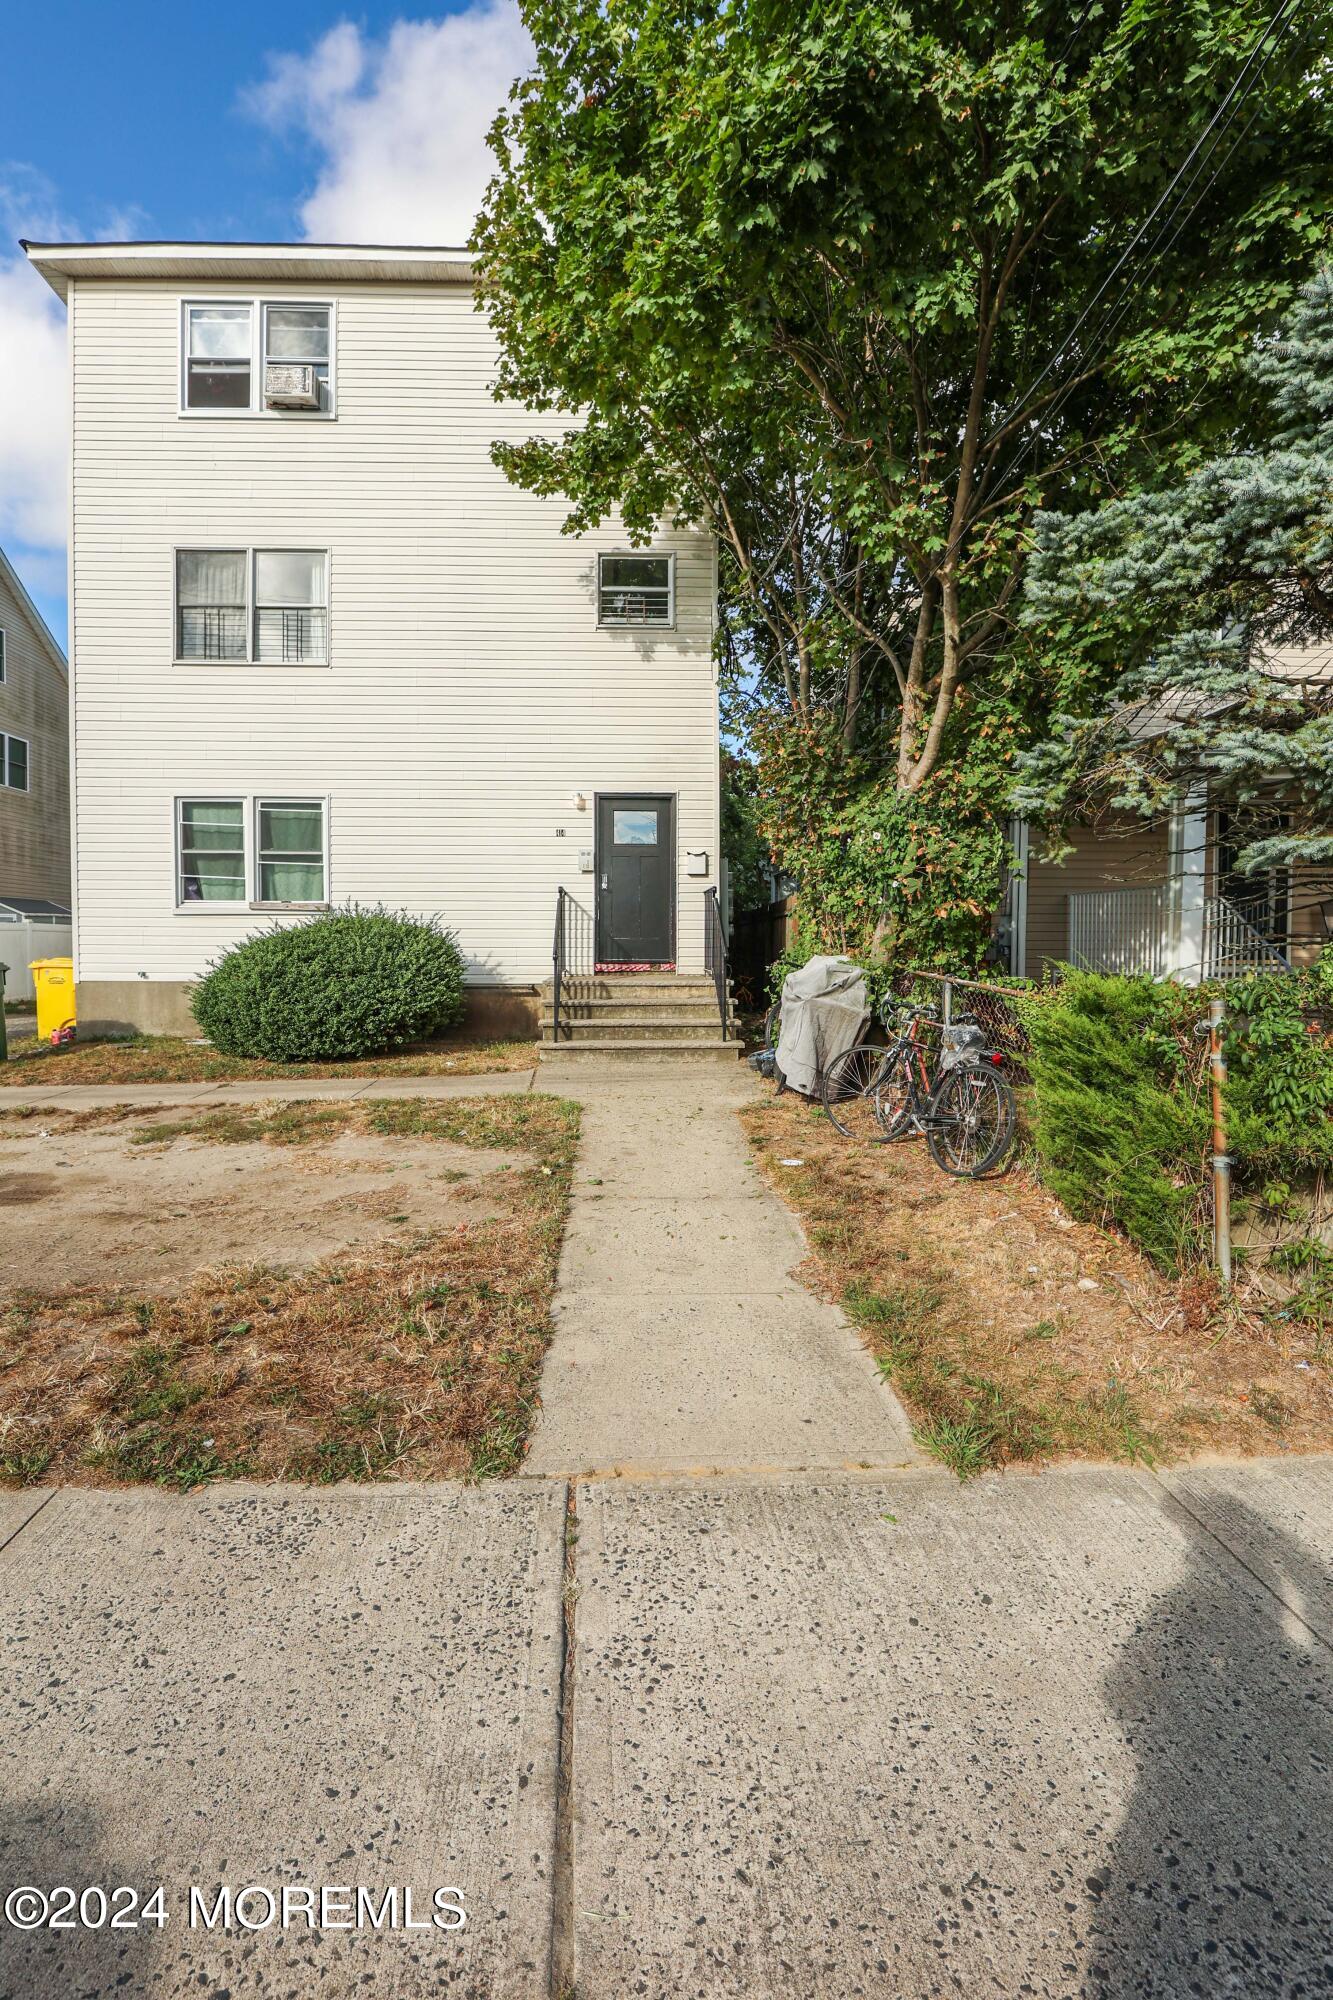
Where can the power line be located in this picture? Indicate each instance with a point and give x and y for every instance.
(1162, 242)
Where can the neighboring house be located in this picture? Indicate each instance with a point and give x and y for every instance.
(324, 652)
(34, 760)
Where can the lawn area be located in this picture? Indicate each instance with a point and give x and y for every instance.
(1013, 1333)
(413, 1353)
(173, 1059)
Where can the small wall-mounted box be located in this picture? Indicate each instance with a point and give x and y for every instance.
(585, 861)
(696, 860)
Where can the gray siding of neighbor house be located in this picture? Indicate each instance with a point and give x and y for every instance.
(469, 697)
(34, 704)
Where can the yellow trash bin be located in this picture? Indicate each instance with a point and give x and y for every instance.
(54, 980)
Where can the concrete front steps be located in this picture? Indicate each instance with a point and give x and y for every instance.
(654, 1016)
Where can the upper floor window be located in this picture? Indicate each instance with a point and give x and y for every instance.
(266, 605)
(258, 357)
(636, 590)
(14, 762)
(4, 664)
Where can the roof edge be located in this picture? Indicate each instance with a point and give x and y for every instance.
(44, 632)
(58, 263)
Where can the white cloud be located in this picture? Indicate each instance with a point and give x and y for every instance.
(401, 122)
(34, 406)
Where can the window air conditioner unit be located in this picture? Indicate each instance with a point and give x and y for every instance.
(290, 385)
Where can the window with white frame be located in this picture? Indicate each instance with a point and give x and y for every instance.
(239, 851)
(636, 590)
(4, 664)
(14, 762)
(265, 605)
(257, 357)
(219, 356)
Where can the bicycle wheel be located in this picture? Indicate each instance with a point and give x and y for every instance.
(971, 1123)
(848, 1090)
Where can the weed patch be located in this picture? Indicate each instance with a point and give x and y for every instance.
(419, 1359)
(1014, 1334)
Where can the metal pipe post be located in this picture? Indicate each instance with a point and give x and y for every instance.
(1217, 1063)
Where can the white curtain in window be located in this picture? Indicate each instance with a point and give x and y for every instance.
(211, 576)
(289, 576)
(220, 333)
(298, 333)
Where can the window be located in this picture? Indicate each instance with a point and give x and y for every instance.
(238, 852)
(289, 605)
(210, 604)
(14, 762)
(290, 842)
(636, 590)
(218, 344)
(634, 829)
(266, 605)
(257, 358)
(3, 671)
(211, 847)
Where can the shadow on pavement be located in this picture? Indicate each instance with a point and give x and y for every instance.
(44, 1848)
(1219, 1882)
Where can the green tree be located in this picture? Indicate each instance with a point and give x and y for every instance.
(861, 287)
(1206, 609)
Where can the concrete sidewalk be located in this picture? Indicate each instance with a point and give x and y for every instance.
(205, 1096)
(877, 1738)
(682, 1341)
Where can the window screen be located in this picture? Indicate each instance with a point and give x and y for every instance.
(291, 851)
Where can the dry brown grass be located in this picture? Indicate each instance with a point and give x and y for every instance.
(1014, 1333)
(172, 1059)
(420, 1361)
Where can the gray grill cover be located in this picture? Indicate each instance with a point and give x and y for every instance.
(823, 1011)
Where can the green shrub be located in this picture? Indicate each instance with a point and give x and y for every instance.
(1280, 1073)
(352, 983)
(1120, 1120)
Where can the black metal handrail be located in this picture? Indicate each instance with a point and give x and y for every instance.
(715, 955)
(572, 953)
(558, 962)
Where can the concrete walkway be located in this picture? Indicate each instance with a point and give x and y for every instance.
(682, 1341)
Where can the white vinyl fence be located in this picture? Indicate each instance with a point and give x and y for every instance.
(20, 943)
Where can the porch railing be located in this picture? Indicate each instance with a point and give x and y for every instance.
(1121, 930)
(1132, 931)
(1232, 946)
(572, 951)
(715, 956)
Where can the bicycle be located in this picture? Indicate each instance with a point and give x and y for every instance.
(960, 1101)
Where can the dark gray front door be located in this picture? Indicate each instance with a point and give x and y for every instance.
(636, 850)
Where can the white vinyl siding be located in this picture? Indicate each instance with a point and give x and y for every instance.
(471, 696)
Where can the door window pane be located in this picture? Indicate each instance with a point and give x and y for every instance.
(217, 357)
(291, 851)
(210, 604)
(212, 851)
(634, 829)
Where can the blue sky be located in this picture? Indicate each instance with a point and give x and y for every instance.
(237, 121)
